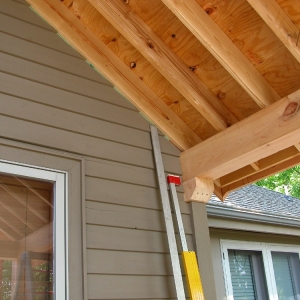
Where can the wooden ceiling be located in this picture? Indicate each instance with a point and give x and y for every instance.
(220, 78)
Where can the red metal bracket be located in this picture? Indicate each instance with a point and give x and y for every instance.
(174, 179)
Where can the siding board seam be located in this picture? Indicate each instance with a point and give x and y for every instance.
(77, 132)
(132, 251)
(77, 112)
(36, 43)
(51, 67)
(131, 206)
(22, 20)
(136, 229)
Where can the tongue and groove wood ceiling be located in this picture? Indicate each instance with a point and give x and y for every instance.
(220, 78)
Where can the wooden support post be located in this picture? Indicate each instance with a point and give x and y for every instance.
(198, 189)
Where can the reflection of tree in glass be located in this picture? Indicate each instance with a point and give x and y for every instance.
(5, 286)
(43, 278)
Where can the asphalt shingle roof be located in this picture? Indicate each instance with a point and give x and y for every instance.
(257, 199)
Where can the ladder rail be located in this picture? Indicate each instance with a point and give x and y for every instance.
(168, 215)
(178, 217)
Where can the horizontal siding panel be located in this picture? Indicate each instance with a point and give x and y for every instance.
(74, 122)
(31, 33)
(15, 8)
(129, 217)
(47, 57)
(37, 92)
(121, 172)
(38, 113)
(127, 194)
(58, 79)
(79, 144)
(130, 287)
(33, 90)
(114, 238)
(131, 263)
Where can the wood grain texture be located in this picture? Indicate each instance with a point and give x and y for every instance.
(265, 133)
(253, 37)
(223, 192)
(115, 72)
(37, 108)
(167, 63)
(216, 41)
(280, 23)
(263, 164)
(184, 44)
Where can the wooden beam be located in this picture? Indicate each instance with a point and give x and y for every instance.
(268, 131)
(264, 164)
(142, 37)
(280, 23)
(222, 193)
(224, 50)
(198, 190)
(106, 62)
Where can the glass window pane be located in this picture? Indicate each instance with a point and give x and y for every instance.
(247, 275)
(286, 271)
(26, 232)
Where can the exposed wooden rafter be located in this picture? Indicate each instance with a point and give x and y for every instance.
(222, 192)
(263, 134)
(158, 53)
(224, 50)
(87, 44)
(280, 23)
(219, 78)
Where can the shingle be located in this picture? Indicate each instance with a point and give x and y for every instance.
(255, 198)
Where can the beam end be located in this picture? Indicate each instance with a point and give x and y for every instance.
(198, 189)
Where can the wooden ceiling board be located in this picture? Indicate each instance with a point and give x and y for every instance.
(184, 44)
(258, 43)
(291, 8)
(135, 61)
(193, 67)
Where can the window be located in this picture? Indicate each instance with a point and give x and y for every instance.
(32, 233)
(259, 271)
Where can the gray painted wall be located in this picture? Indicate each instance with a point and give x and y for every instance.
(51, 98)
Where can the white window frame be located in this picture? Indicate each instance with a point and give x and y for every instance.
(60, 230)
(266, 249)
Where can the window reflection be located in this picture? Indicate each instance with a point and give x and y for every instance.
(26, 247)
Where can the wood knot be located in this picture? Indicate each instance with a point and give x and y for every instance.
(221, 95)
(132, 64)
(150, 45)
(209, 10)
(113, 39)
(192, 68)
(126, 1)
(291, 109)
(173, 35)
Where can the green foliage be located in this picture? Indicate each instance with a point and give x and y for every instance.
(286, 182)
